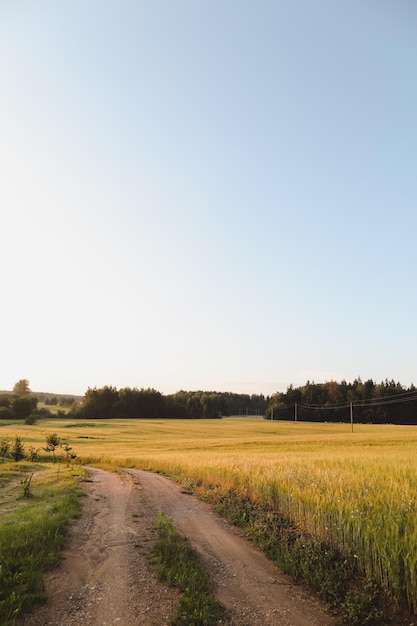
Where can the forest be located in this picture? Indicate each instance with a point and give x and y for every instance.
(132, 402)
(388, 402)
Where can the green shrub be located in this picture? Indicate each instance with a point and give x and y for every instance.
(17, 450)
(6, 413)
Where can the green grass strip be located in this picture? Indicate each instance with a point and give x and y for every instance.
(31, 539)
(178, 566)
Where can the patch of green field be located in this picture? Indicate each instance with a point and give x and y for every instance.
(53, 408)
(32, 529)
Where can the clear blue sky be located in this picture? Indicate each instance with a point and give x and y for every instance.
(207, 194)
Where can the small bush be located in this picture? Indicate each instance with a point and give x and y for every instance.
(17, 450)
(6, 413)
(31, 419)
(4, 448)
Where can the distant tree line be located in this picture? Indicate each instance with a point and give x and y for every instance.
(109, 402)
(385, 403)
(55, 400)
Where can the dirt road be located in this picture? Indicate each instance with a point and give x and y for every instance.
(106, 578)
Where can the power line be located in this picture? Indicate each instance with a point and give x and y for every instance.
(392, 399)
(323, 407)
(381, 402)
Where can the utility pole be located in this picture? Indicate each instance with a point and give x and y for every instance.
(351, 416)
(295, 412)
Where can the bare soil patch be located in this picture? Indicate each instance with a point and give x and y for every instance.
(106, 576)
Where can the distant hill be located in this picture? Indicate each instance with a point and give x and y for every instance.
(42, 395)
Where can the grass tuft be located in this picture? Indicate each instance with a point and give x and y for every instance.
(178, 566)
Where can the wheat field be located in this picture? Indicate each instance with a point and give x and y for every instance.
(355, 490)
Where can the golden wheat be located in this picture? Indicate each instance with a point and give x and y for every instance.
(356, 491)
